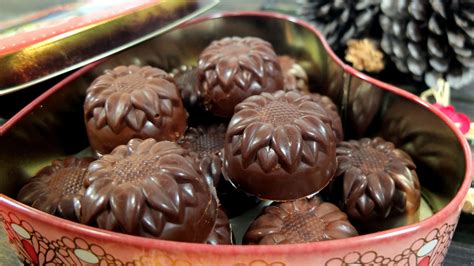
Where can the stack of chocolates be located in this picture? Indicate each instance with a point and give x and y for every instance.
(179, 153)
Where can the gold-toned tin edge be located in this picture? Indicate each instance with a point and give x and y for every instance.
(203, 9)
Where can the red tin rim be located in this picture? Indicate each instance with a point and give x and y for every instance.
(354, 242)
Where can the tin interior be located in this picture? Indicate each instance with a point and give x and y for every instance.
(55, 128)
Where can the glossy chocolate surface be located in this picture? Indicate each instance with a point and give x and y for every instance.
(221, 234)
(132, 102)
(294, 76)
(279, 146)
(234, 68)
(205, 144)
(187, 81)
(150, 189)
(55, 189)
(300, 221)
(335, 122)
(374, 180)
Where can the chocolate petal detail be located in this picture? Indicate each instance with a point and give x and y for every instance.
(147, 101)
(267, 159)
(340, 229)
(127, 204)
(226, 70)
(152, 221)
(107, 220)
(100, 117)
(253, 64)
(117, 107)
(286, 142)
(166, 107)
(94, 102)
(162, 193)
(240, 121)
(95, 199)
(136, 119)
(381, 189)
(255, 137)
(354, 185)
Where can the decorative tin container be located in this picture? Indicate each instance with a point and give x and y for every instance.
(54, 41)
(52, 126)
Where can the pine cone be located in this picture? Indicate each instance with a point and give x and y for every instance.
(430, 39)
(340, 20)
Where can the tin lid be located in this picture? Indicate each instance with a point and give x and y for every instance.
(47, 43)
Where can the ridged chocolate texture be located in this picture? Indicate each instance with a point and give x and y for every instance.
(294, 76)
(55, 189)
(132, 102)
(331, 109)
(221, 234)
(205, 145)
(187, 81)
(150, 189)
(279, 146)
(232, 69)
(374, 180)
(301, 221)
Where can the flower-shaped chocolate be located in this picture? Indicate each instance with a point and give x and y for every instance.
(279, 146)
(205, 145)
(221, 233)
(150, 189)
(187, 81)
(232, 69)
(374, 180)
(55, 188)
(300, 221)
(331, 109)
(133, 102)
(294, 76)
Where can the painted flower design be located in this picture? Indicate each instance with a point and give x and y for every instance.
(55, 188)
(232, 69)
(461, 120)
(133, 101)
(300, 221)
(279, 146)
(150, 189)
(374, 180)
(205, 144)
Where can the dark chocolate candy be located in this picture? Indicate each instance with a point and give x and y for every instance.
(374, 180)
(301, 221)
(232, 69)
(187, 81)
(279, 146)
(132, 102)
(55, 189)
(150, 189)
(221, 234)
(205, 145)
(335, 122)
(294, 76)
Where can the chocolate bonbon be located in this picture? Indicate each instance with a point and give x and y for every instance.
(294, 76)
(335, 122)
(205, 144)
(132, 102)
(234, 68)
(374, 180)
(301, 221)
(55, 188)
(221, 234)
(150, 189)
(187, 81)
(279, 146)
